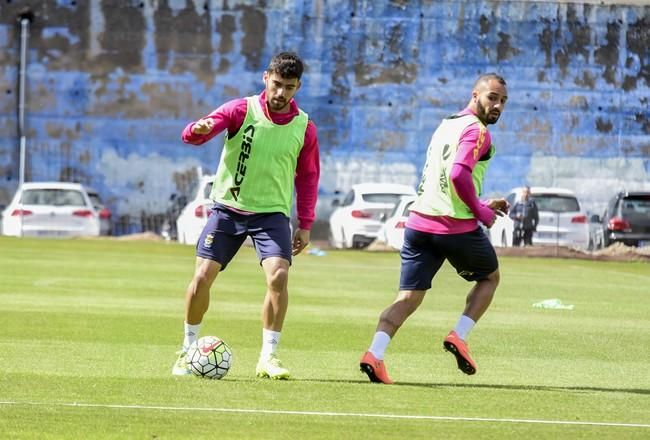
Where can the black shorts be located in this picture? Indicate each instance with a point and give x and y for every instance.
(226, 230)
(470, 253)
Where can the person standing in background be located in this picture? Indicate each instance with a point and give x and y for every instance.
(525, 215)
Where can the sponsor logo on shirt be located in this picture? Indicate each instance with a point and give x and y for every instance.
(244, 154)
(442, 179)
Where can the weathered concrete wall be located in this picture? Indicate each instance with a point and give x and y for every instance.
(111, 84)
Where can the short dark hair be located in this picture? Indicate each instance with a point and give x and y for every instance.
(286, 64)
(488, 76)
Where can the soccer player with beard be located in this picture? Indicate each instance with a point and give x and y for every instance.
(443, 225)
(270, 148)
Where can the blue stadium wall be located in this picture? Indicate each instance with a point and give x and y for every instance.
(111, 85)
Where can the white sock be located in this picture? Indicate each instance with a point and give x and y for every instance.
(191, 335)
(464, 326)
(379, 345)
(270, 341)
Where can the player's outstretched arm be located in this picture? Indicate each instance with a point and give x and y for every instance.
(201, 131)
(229, 116)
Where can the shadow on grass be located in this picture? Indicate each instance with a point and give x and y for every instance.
(494, 386)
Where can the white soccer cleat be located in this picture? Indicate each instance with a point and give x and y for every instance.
(272, 368)
(181, 366)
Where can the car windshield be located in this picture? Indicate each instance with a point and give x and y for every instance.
(556, 203)
(381, 198)
(56, 197)
(636, 205)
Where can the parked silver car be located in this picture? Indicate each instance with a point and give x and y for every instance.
(562, 222)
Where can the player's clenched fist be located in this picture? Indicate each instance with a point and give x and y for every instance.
(203, 126)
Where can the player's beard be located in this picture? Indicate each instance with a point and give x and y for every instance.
(489, 117)
(276, 105)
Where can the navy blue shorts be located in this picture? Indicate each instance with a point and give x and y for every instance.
(226, 230)
(470, 253)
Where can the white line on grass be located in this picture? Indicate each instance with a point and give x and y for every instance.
(324, 414)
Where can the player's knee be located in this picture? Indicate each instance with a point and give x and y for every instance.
(278, 279)
(205, 273)
(203, 280)
(405, 304)
(410, 299)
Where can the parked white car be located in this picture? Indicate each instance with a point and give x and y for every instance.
(194, 215)
(392, 231)
(562, 222)
(51, 209)
(356, 221)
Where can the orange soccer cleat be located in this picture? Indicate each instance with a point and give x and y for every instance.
(374, 368)
(458, 348)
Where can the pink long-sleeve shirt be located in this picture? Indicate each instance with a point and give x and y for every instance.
(230, 117)
(472, 146)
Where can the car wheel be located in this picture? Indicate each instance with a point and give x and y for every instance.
(360, 244)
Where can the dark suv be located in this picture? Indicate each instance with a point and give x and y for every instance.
(627, 219)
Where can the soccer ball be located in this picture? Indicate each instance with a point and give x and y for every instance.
(209, 357)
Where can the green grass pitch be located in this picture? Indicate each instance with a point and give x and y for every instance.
(88, 331)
